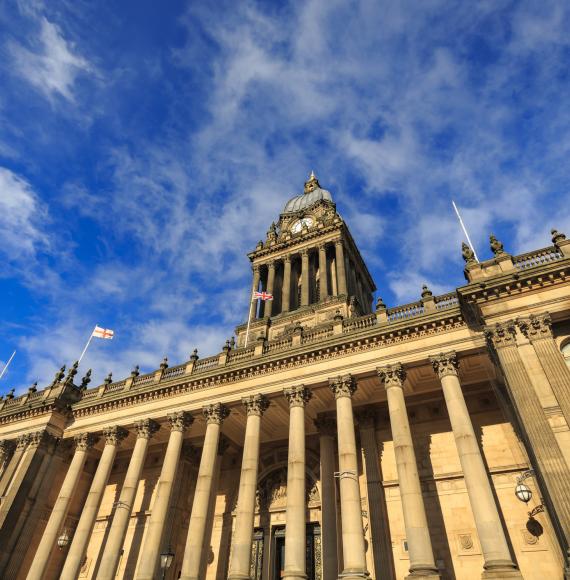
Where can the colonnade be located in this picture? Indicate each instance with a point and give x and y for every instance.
(498, 562)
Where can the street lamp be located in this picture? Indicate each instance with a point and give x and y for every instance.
(63, 540)
(523, 492)
(166, 559)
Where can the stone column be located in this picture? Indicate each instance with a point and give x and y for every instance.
(323, 278)
(497, 558)
(295, 530)
(270, 285)
(113, 438)
(353, 547)
(124, 507)
(327, 430)
(215, 415)
(304, 278)
(534, 423)
(254, 288)
(243, 534)
(10, 464)
(415, 522)
(340, 268)
(286, 290)
(83, 443)
(538, 330)
(382, 553)
(150, 553)
(6, 451)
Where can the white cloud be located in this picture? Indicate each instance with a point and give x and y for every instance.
(53, 65)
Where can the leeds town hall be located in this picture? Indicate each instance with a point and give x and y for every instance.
(343, 439)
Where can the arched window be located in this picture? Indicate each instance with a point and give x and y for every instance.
(566, 353)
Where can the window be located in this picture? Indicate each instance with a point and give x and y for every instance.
(566, 353)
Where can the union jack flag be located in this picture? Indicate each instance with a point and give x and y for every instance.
(262, 295)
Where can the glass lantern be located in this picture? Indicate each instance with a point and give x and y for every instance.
(523, 492)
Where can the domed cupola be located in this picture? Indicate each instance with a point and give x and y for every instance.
(313, 193)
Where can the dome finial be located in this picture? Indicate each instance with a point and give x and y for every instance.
(312, 183)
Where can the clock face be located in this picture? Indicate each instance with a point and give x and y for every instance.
(300, 224)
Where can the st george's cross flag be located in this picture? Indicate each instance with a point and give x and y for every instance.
(262, 295)
(103, 333)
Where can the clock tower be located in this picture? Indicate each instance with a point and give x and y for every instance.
(312, 267)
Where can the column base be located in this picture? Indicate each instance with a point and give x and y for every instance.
(499, 574)
(354, 575)
(294, 575)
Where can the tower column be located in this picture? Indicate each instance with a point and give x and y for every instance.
(150, 553)
(354, 552)
(6, 451)
(254, 288)
(498, 562)
(124, 507)
(113, 436)
(83, 443)
(415, 522)
(242, 537)
(286, 291)
(270, 285)
(12, 464)
(340, 269)
(304, 278)
(215, 415)
(323, 278)
(327, 431)
(295, 530)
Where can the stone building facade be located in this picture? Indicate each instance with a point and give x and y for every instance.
(332, 438)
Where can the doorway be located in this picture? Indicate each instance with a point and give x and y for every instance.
(313, 552)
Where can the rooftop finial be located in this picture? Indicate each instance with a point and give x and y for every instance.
(312, 183)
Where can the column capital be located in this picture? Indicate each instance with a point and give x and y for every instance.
(84, 441)
(286, 258)
(255, 268)
(114, 435)
(326, 426)
(22, 441)
(255, 404)
(344, 386)
(392, 375)
(215, 413)
(445, 364)
(304, 253)
(338, 242)
(322, 246)
(271, 265)
(536, 326)
(502, 334)
(298, 396)
(6, 448)
(180, 420)
(38, 438)
(146, 428)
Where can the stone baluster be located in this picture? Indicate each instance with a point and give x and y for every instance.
(113, 438)
(420, 550)
(340, 268)
(243, 534)
(123, 508)
(295, 531)
(354, 552)
(286, 290)
(150, 553)
(193, 552)
(83, 443)
(497, 559)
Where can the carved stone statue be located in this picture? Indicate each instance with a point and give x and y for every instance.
(496, 245)
(468, 254)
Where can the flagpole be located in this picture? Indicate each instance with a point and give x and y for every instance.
(248, 321)
(87, 345)
(464, 230)
(7, 364)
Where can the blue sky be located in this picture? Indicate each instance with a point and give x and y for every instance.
(146, 146)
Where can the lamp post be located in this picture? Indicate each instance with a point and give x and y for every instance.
(63, 540)
(166, 559)
(524, 493)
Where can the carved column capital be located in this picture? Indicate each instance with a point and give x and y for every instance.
(392, 375)
(304, 253)
(114, 435)
(85, 441)
(322, 246)
(42, 437)
(180, 421)
(445, 364)
(343, 386)
(255, 404)
(536, 326)
(338, 243)
(255, 269)
(326, 426)
(271, 265)
(298, 396)
(286, 258)
(502, 334)
(215, 413)
(6, 449)
(22, 441)
(146, 428)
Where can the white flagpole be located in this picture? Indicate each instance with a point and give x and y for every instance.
(248, 321)
(464, 230)
(87, 345)
(7, 364)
